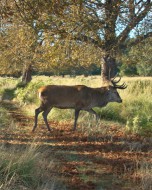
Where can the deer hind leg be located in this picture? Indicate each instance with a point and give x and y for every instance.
(93, 112)
(45, 114)
(37, 111)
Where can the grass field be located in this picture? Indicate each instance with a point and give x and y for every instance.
(114, 153)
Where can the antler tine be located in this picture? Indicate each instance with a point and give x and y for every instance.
(123, 86)
(114, 77)
(113, 80)
(114, 85)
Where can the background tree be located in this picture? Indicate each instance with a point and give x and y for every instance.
(137, 60)
(106, 25)
(64, 57)
(16, 49)
(18, 43)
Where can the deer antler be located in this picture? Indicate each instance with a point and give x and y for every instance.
(114, 82)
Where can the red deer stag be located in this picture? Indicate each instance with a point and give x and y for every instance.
(77, 97)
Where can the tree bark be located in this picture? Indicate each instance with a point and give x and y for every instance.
(108, 69)
(27, 75)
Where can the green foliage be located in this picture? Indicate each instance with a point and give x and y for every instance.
(111, 112)
(138, 107)
(7, 87)
(139, 125)
(137, 60)
(28, 94)
(144, 69)
(128, 70)
(7, 83)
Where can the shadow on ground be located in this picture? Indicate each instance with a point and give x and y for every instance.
(84, 161)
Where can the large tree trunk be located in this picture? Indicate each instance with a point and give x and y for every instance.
(27, 75)
(109, 68)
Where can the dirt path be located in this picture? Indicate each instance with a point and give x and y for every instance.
(86, 162)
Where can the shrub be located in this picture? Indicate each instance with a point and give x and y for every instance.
(28, 94)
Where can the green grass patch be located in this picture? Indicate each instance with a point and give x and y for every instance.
(28, 94)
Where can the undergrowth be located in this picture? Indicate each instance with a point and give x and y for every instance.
(26, 168)
(18, 167)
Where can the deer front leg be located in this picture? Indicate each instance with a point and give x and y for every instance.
(76, 118)
(45, 114)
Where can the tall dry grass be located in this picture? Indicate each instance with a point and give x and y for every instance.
(26, 168)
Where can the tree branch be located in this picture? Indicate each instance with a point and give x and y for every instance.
(87, 39)
(123, 36)
(139, 39)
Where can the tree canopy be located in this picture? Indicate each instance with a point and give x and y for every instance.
(105, 25)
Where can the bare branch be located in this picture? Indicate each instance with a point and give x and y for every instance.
(123, 36)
